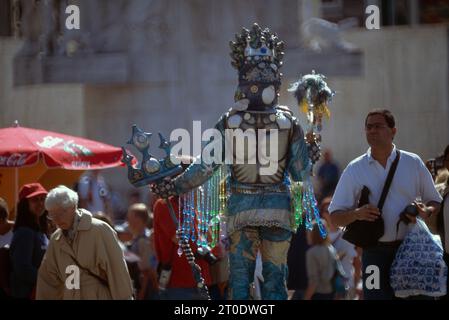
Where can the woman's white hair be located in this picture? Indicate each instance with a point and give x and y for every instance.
(61, 196)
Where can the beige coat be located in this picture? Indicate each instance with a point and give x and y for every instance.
(95, 247)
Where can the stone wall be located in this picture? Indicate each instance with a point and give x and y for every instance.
(51, 107)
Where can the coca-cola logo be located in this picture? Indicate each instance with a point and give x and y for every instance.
(13, 160)
(69, 146)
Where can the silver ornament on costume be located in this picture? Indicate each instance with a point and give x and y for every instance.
(268, 95)
(141, 141)
(152, 166)
(241, 105)
(254, 89)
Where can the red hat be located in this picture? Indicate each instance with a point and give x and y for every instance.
(31, 190)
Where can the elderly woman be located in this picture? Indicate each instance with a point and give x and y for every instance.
(84, 260)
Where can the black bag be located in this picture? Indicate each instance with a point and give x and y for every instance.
(363, 233)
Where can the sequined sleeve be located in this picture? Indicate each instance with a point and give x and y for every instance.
(299, 165)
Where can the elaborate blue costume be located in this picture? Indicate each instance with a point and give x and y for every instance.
(261, 172)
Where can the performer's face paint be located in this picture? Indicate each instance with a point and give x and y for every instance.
(260, 85)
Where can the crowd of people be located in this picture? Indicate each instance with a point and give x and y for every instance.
(64, 244)
(115, 259)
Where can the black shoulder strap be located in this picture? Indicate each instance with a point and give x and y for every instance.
(388, 181)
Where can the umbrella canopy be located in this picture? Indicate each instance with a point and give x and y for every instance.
(30, 155)
(22, 147)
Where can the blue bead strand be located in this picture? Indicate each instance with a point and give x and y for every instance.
(192, 218)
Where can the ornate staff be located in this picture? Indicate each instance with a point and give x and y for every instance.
(313, 96)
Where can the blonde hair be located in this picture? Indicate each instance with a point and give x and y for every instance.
(141, 211)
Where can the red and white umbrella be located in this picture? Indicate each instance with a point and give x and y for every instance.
(30, 155)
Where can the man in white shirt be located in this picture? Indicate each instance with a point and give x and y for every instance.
(411, 182)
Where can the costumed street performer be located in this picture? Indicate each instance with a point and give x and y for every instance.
(262, 204)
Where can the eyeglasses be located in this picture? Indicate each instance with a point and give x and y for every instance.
(376, 126)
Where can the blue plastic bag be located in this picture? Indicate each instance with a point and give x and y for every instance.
(419, 268)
